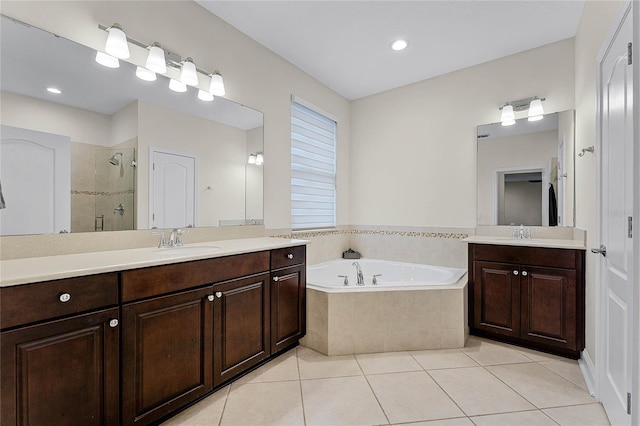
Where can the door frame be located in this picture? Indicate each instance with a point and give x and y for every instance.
(635, 269)
(154, 149)
(543, 169)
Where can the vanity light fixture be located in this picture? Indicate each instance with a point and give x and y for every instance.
(177, 86)
(203, 95)
(107, 60)
(399, 45)
(189, 75)
(156, 60)
(117, 42)
(54, 90)
(533, 104)
(217, 84)
(145, 74)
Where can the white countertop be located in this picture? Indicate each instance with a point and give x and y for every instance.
(541, 242)
(37, 269)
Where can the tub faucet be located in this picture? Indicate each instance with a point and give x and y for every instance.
(359, 272)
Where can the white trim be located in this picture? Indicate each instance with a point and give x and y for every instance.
(314, 108)
(543, 169)
(588, 371)
(635, 334)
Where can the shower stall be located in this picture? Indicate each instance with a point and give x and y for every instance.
(115, 189)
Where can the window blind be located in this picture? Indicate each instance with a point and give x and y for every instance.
(313, 169)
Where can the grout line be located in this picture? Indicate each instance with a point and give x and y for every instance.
(372, 391)
(304, 414)
(224, 406)
(449, 396)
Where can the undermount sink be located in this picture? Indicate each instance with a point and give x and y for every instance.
(185, 250)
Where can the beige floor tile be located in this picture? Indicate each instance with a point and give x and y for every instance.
(206, 412)
(537, 355)
(478, 392)
(314, 365)
(540, 386)
(389, 362)
(461, 421)
(341, 401)
(443, 358)
(568, 369)
(486, 352)
(521, 418)
(274, 403)
(412, 396)
(579, 415)
(280, 369)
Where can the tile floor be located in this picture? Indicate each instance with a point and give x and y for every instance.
(485, 383)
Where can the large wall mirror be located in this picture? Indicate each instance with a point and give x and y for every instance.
(526, 172)
(113, 128)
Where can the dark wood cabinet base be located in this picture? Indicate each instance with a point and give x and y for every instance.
(567, 353)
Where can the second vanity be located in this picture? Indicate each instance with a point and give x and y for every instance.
(132, 336)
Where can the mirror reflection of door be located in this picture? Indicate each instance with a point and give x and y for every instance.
(519, 200)
(172, 182)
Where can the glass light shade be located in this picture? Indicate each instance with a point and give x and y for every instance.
(145, 74)
(259, 159)
(508, 117)
(252, 159)
(536, 111)
(117, 42)
(156, 61)
(217, 84)
(107, 60)
(205, 96)
(189, 75)
(177, 86)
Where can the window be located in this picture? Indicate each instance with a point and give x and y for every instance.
(313, 169)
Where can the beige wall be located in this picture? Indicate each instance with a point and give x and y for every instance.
(414, 148)
(597, 19)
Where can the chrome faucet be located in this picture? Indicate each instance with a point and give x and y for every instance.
(175, 238)
(359, 272)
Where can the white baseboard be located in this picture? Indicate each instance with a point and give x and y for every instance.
(588, 372)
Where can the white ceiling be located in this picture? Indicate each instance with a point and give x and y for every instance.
(346, 44)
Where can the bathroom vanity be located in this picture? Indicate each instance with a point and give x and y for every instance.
(131, 342)
(530, 293)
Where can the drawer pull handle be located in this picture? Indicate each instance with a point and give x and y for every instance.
(211, 297)
(113, 323)
(218, 294)
(64, 297)
(290, 256)
(524, 273)
(515, 272)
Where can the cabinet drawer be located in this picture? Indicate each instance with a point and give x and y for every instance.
(39, 301)
(290, 256)
(157, 280)
(536, 256)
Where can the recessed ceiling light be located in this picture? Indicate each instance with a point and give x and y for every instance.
(54, 90)
(399, 45)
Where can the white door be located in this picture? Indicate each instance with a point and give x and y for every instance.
(35, 178)
(172, 195)
(616, 210)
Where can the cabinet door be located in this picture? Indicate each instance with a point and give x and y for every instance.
(241, 326)
(166, 354)
(288, 307)
(549, 306)
(62, 372)
(496, 297)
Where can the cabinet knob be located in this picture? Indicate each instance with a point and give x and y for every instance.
(64, 297)
(113, 323)
(211, 297)
(524, 273)
(290, 256)
(515, 272)
(276, 279)
(218, 294)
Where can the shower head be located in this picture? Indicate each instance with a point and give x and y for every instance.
(113, 160)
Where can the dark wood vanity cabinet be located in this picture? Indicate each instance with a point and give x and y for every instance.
(60, 352)
(529, 296)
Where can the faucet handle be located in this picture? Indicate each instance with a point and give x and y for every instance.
(346, 279)
(163, 238)
(375, 279)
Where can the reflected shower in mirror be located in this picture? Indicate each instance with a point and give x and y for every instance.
(526, 172)
(111, 116)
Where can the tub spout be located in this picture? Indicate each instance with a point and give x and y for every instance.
(359, 272)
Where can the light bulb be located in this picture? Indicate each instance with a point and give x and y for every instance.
(145, 74)
(205, 96)
(107, 60)
(156, 61)
(536, 111)
(117, 42)
(189, 75)
(508, 117)
(217, 84)
(177, 86)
